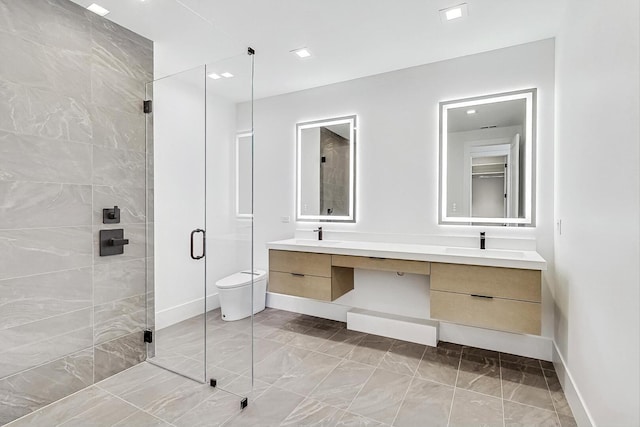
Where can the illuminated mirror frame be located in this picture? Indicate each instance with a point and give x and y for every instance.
(529, 95)
(239, 136)
(352, 121)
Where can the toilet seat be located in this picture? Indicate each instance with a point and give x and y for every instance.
(238, 280)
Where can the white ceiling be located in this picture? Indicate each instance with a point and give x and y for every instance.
(348, 38)
(498, 114)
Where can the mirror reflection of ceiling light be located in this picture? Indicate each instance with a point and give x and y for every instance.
(455, 12)
(302, 52)
(226, 75)
(471, 111)
(215, 76)
(97, 9)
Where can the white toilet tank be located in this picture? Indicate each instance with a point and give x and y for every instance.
(235, 294)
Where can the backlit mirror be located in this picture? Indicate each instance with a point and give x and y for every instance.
(244, 166)
(326, 170)
(487, 160)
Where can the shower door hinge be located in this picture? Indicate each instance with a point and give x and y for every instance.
(147, 106)
(244, 403)
(250, 51)
(148, 336)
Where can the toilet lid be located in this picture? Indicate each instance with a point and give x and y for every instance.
(240, 279)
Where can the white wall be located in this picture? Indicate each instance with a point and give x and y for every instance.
(397, 147)
(182, 198)
(597, 191)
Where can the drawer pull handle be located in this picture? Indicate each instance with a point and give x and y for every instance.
(481, 296)
(379, 259)
(297, 274)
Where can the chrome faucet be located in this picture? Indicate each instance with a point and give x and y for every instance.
(319, 231)
(482, 240)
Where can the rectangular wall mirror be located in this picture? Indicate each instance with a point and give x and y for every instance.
(487, 160)
(244, 166)
(325, 151)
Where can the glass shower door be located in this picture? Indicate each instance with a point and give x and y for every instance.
(177, 199)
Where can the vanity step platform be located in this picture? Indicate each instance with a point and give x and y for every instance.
(420, 331)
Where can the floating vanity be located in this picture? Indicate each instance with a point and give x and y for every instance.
(492, 289)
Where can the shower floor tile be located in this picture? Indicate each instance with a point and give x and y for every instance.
(310, 371)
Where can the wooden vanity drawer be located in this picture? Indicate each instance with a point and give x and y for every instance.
(510, 283)
(300, 262)
(300, 285)
(492, 313)
(384, 264)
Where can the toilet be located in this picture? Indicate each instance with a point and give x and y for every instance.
(235, 294)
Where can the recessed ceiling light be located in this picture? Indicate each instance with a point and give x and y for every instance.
(215, 76)
(455, 12)
(227, 75)
(302, 53)
(471, 111)
(97, 9)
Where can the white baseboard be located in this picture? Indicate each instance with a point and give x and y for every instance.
(576, 402)
(326, 310)
(172, 315)
(404, 328)
(534, 346)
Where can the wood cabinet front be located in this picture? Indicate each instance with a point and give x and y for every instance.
(308, 275)
(505, 299)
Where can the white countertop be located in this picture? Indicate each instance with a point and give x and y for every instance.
(530, 260)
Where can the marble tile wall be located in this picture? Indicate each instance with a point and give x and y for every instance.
(72, 142)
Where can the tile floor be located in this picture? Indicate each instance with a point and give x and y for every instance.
(311, 371)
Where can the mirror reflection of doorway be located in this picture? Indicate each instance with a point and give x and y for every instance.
(494, 180)
(488, 187)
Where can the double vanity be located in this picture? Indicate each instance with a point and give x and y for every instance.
(492, 289)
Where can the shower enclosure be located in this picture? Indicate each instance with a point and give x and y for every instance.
(197, 177)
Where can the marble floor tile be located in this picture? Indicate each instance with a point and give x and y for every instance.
(109, 411)
(214, 411)
(557, 395)
(567, 421)
(147, 393)
(325, 386)
(341, 343)
(520, 360)
(426, 403)
(131, 378)
(370, 350)
(517, 415)
(63, 410)
(270, 409)
(480, 374)
(279, 363)
(244, 386)
(403, 357)
(342, 385)
(142, 419)
(474, 409)
(180, 400)
(313, 338)
(526, 384)
(354, 420)
(312, 412)
(439, 365)
(381, 396)
(308, 374)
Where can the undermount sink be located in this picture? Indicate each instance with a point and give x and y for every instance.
(312, 242)
(497, 253)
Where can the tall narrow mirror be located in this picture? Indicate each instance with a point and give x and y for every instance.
(487, 162)
(326, 170)
(244, 166)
